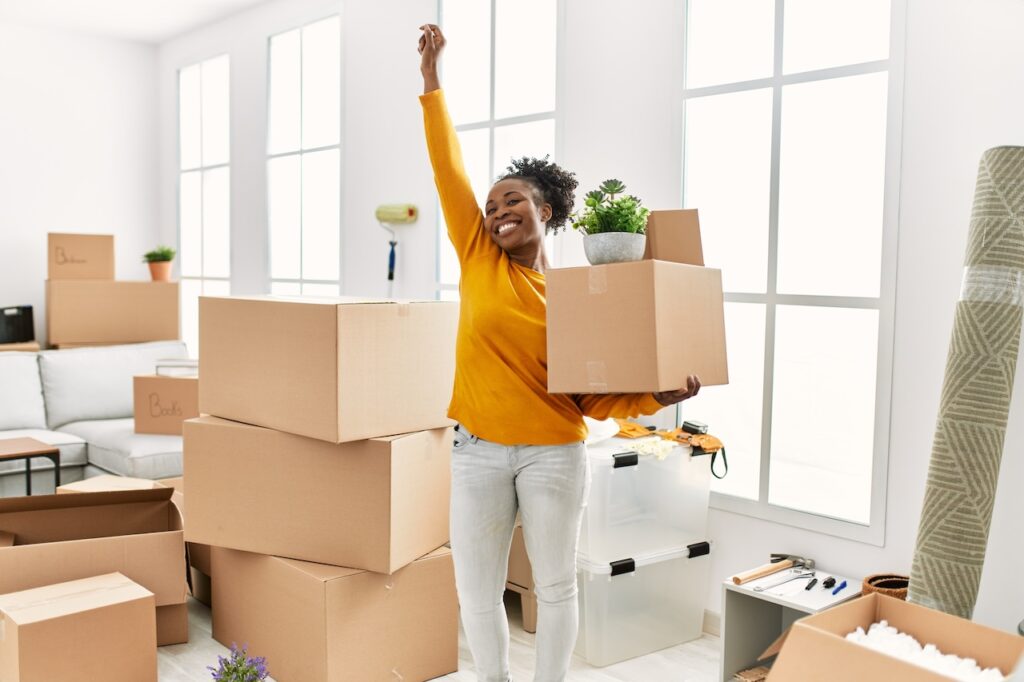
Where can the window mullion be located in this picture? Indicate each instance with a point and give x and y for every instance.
(773, 247)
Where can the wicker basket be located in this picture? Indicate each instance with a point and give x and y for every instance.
(889, 584)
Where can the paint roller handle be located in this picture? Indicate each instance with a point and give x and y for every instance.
(391, 261)
(761, 571)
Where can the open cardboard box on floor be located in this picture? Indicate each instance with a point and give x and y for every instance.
(200, 565)
(337, 369)
(96, 311)
(163, 403)
(68, 537)
(318, 623)
(815, 648)
(96, 628)
(108, 483)
(79, 256)
(374, 504)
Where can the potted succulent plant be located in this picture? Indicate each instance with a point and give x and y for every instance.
(613, 227)
(159, 260)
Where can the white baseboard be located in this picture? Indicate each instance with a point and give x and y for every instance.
(712, 623)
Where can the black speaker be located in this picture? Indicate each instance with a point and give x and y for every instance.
(16, 324)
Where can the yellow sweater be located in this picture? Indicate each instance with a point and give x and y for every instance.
(501, 368)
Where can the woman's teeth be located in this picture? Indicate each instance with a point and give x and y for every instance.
(506, 227)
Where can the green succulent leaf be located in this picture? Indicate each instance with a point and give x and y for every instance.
(613, 186)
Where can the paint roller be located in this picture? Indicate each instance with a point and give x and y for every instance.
(390, 216)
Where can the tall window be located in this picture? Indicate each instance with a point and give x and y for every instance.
(204, 188)
(785, 157)
(304, 159)
(498, 117)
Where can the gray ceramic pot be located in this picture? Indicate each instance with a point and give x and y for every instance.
(614, 247)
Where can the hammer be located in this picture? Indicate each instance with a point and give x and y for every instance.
(779, 562)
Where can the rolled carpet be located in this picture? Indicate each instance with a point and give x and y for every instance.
(976, 391)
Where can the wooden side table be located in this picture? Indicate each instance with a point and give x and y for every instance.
(27, 449)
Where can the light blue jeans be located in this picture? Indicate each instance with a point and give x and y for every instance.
(548, 485)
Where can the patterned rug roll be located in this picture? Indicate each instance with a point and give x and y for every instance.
(976, 391)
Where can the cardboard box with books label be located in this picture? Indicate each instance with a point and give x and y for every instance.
(374, 504)
(98, 312)
(163, 403)
(318, 623)
(80, 256)
(816, 648)
(337, 369)
(634, 327)
(97, 628)
(66, 537)
(674, 236)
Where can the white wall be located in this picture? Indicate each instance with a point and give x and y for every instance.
(963, 92)
(383, 154)
(78, 152)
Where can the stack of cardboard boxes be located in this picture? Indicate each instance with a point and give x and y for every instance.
(319, 475)
(86, 306)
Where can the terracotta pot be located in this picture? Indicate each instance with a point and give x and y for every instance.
(160, 270)
(886, 583)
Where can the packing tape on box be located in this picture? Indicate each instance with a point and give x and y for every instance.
(597, 280)
(404, 309)
(993, 284)
(597, 376)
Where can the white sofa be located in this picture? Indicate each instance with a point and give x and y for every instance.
(80, 400)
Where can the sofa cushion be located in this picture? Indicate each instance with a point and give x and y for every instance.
(82, 384)
(72, 449)
(21, 393)
(115, 447)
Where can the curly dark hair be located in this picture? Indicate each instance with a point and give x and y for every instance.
(553, 184)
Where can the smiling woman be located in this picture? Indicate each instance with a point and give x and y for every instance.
(517, 447)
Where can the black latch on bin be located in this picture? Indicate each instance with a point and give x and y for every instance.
(625, 459)
(699, 549)
(623, 566)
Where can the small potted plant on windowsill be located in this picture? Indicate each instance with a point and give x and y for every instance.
(159, 260)
(613, 227)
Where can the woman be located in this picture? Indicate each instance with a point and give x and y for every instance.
(517, 447)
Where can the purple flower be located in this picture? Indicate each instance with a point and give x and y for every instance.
(240, 667)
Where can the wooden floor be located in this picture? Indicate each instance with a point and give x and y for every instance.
(692, 662)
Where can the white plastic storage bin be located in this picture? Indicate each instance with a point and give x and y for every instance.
(639, 504)
(632, 607)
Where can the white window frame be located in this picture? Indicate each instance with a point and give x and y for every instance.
(201, 169)
(300, 280)
(490, 123)
(874, 532)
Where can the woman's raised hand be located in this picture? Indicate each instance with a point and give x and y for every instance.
(432, 43)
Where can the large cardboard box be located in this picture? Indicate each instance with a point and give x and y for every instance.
(97, 628)
(337, 369)
(318, 623)
(80, 256)
(163, 403)
(635, 327)
(815, 647)
(67, 537)
(674, 236)
(97, 311)
(375, 504)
